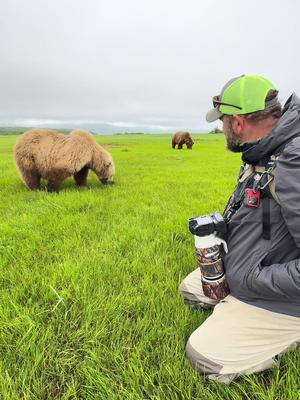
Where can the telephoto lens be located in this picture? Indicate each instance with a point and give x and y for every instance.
(209, 251)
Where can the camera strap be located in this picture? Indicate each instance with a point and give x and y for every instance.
(236, 200)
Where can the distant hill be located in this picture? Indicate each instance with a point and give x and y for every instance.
(15, 130)
(8, 130)
(95, 129)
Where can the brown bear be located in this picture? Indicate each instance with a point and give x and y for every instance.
(48, 154)
(181, 138)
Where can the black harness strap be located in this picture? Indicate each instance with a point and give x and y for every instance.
(262, 184)
(266, 222)
(264, 188)
(259, 183)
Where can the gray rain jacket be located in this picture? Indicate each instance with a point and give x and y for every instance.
(266, 273)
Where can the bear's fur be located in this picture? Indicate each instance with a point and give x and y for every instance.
(48, 154)
(181, 138)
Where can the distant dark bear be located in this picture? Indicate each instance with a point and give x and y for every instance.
(181, 138)
(48, 154)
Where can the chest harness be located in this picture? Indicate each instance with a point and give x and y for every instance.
(255, 188)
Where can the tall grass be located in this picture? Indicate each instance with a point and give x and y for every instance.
(89, 302)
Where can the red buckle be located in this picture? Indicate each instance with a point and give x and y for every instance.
(252, 199)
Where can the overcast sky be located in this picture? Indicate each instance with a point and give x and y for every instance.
(135, 64)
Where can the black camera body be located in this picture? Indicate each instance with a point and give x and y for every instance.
(208, 224)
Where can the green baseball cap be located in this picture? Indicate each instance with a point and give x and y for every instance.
(242, 95)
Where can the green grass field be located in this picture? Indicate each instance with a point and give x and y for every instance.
(89, 302)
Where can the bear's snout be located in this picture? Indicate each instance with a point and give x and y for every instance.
(105, 181)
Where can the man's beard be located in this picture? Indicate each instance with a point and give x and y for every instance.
(234, 142)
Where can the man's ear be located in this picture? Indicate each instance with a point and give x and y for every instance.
(238, 124)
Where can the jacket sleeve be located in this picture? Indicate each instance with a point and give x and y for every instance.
(287, 186)
(282, 281)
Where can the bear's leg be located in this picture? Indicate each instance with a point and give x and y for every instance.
(173, 144)
(81, 177)
(55, 180)
(53, 185)
(179, 145)
(31, 179)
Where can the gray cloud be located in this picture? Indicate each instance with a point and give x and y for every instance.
(144, 64)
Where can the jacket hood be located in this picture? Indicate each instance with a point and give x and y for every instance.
(287, 128)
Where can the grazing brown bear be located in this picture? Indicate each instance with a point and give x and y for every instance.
(48, 154)
(181, 138)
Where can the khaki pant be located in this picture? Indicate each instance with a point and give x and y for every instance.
(237, 338)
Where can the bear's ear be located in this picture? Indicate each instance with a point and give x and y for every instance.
(107, 164)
